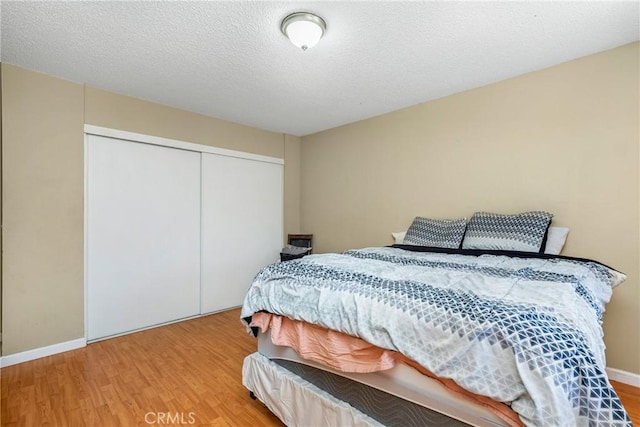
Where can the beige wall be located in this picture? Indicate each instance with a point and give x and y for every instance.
(115, 111)
(564, 139)
(42, 176)
(291, 185)
(43, 181)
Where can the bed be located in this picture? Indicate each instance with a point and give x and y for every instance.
(467, 335)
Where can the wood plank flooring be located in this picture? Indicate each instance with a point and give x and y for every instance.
(186, 373)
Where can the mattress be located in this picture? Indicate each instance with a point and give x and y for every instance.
(400, 396)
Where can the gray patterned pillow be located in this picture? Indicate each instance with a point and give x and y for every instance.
(439, 233)
(521, 232)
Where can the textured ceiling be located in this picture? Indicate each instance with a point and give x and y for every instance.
(230, 60)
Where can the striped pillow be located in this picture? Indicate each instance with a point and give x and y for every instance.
(521, 232)
(439, 233)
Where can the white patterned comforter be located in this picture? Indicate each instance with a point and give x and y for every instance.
(524, 331)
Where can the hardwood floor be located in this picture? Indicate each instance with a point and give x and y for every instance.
(186, 373)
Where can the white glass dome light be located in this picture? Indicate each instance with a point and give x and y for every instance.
(303, 29)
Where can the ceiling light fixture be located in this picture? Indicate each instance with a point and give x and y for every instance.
(304, 29)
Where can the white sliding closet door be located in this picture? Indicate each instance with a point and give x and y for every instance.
(143, 235)
(241, 226)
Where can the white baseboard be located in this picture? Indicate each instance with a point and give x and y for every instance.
(36, 353)
(623, 377)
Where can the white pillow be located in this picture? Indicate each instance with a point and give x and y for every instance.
(399, 237)
(556, 237)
